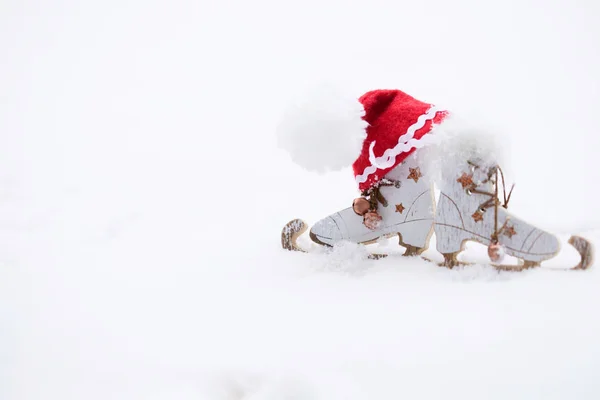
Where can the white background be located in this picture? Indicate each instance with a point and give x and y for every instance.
(142, 198)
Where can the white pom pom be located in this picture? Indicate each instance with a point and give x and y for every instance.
(324, 132)
(463, 137)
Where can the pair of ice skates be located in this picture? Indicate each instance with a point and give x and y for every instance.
(468, 209)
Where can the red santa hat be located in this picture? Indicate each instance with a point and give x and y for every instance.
(398, 125)
(373, 134)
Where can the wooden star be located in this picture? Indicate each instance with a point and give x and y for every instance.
(477, 216)
(399, 208)
(465, 180)
(510, 231)
(415, 173)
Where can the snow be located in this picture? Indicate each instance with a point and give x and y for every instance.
(142, 196)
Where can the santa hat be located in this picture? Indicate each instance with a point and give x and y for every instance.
(373, 133)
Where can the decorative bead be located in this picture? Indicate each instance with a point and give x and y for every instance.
(372, 220)
(361, 206)
(496, 252)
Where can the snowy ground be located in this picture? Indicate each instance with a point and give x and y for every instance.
(142, 198)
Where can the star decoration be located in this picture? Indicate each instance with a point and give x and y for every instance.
(415, 173)
(465, 180)
(399, 208)
(477, 216)
(510, 231)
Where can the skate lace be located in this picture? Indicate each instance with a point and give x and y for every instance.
(494, 201)
(374, 193)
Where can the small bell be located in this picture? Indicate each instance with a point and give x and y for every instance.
(496, 252)
(361, 206)
(372, 220)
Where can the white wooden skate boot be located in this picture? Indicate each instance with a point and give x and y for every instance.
(469, 209)
(406, 207)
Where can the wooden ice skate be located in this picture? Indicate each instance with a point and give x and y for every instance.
(469, 209)
(403, 199)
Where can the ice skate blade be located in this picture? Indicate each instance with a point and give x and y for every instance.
(296, 227)
(585, 249)
(290, 234)
(583, 246)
